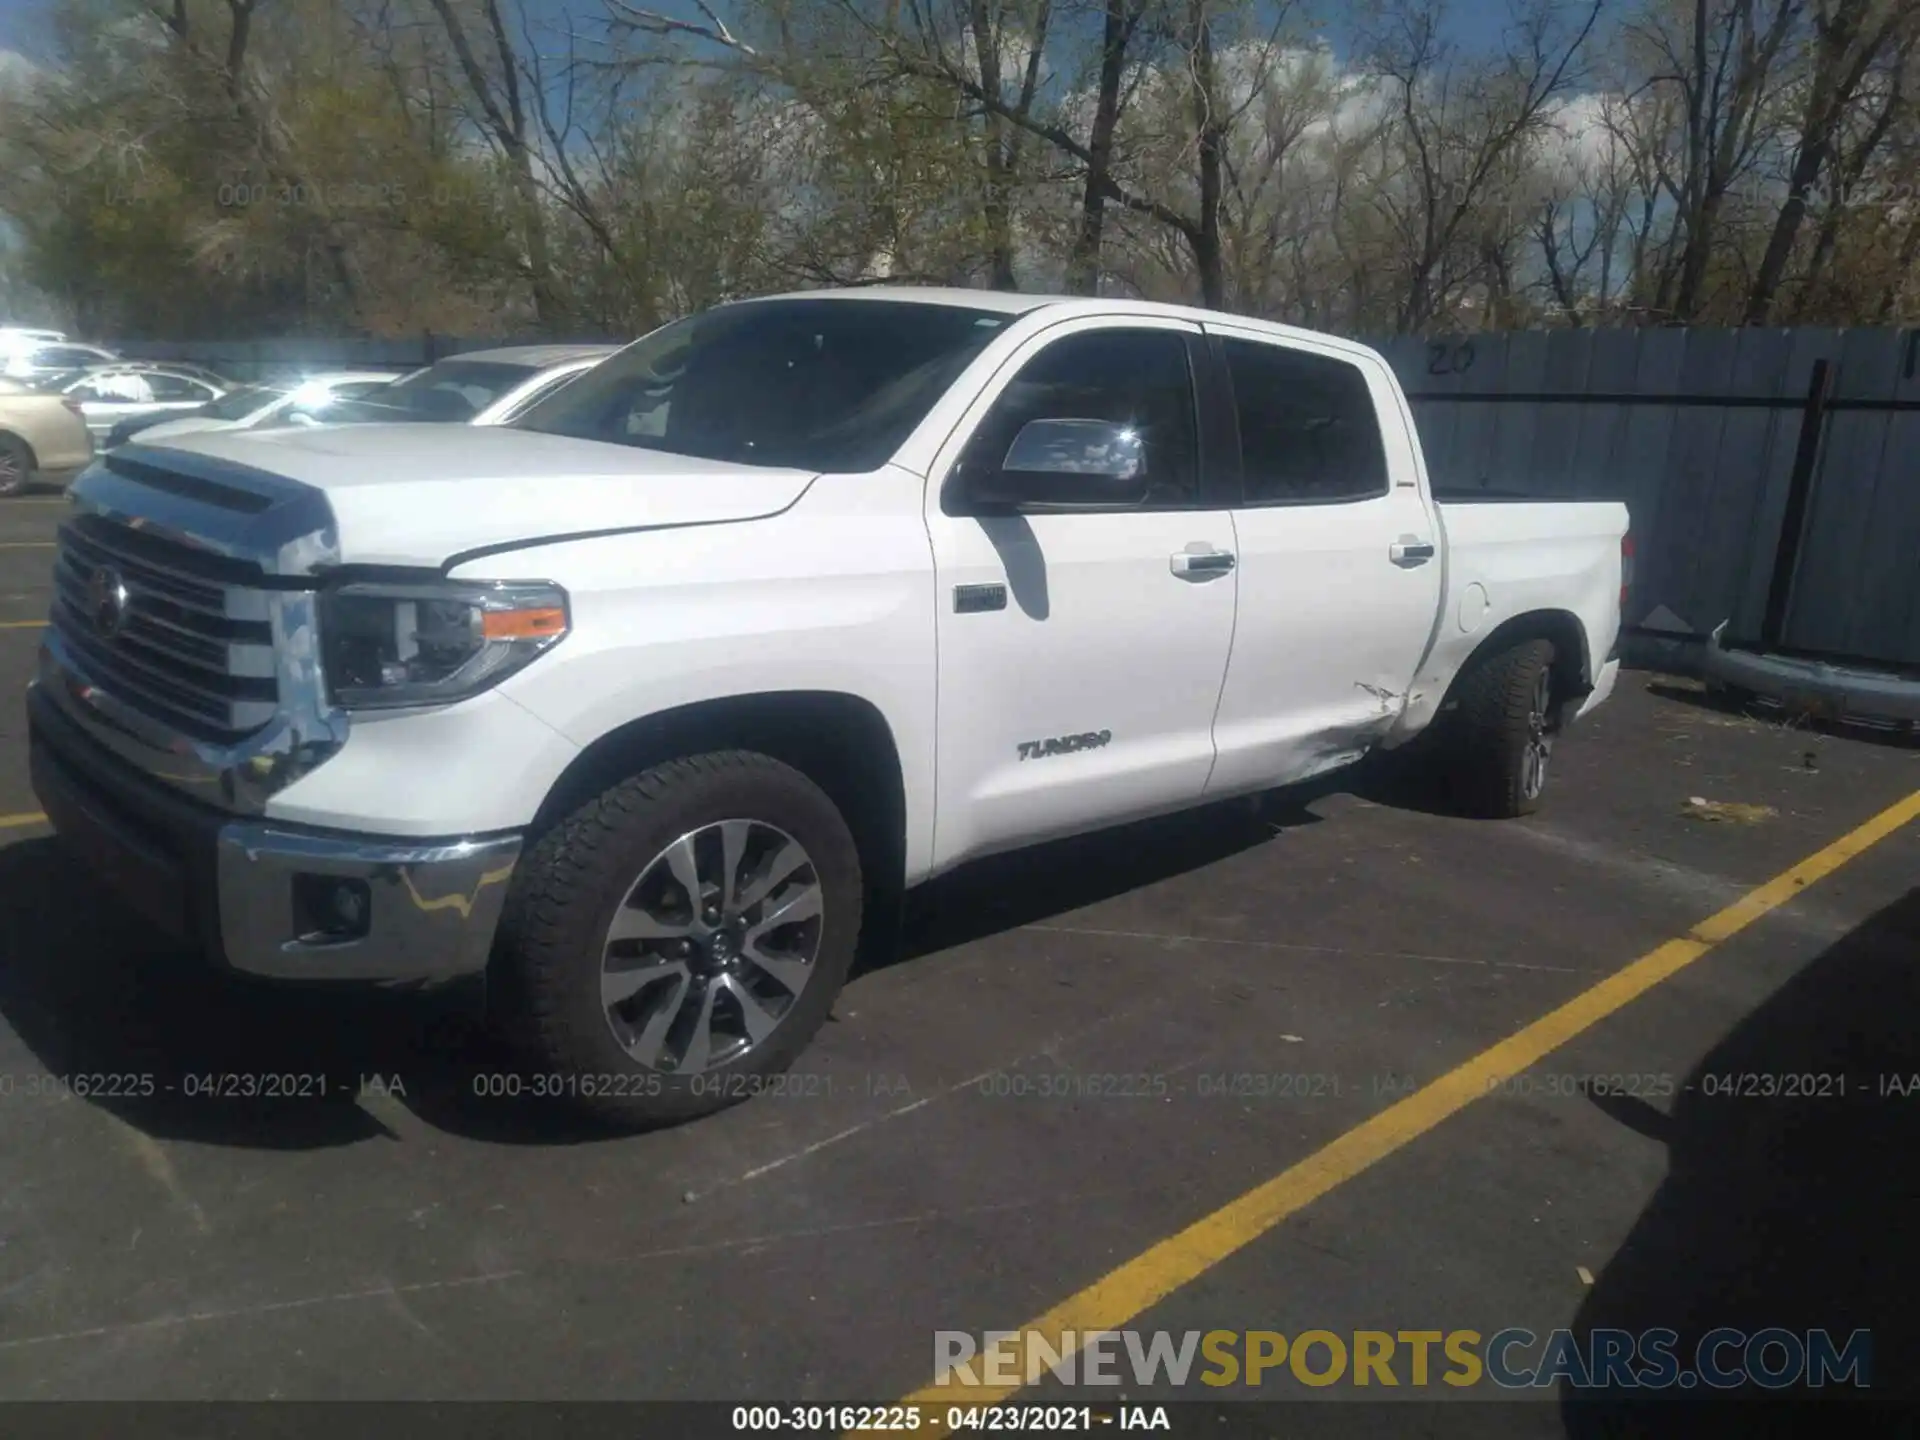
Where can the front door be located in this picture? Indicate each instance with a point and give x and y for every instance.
(1081, 652)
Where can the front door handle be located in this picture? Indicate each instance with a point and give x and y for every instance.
(1410, 550)
(1201, 563)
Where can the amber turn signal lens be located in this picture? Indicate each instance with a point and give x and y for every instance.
(523, 624)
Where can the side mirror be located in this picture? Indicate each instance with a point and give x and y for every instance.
(1069, 464)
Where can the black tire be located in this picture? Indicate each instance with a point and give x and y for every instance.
(569, 887)
(16, 467)
(1491, 738)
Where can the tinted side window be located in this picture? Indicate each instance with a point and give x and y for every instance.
(1131, 377)
(1308, 431)
(120, 387)
(177, 387)
(543, 391)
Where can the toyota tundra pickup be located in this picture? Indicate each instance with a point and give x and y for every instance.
(642, 706)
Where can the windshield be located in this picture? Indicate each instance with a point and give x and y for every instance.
(829, 385)
(453, 391)
(238, 404)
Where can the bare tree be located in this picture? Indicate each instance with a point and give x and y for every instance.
(1850, 37)
(1120, 26)
(495, 86)
(1723, 59)
(1582, 222)
(251, 104)
(1463, 125)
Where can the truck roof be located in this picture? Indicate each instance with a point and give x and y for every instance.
(1012, 303)
(1005, 302)
(540, 356)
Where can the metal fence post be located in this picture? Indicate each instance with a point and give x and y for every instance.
(1793, 520)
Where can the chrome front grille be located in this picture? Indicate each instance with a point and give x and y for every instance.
(178, 635)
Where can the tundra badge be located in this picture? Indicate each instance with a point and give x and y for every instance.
(1063, 744)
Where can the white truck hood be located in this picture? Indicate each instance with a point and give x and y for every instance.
(185, 425)
(421, 494)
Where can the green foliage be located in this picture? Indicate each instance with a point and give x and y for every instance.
(361, 166)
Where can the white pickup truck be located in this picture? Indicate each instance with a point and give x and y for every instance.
(646, 704)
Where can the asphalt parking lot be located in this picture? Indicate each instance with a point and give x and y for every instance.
(1038, 1091)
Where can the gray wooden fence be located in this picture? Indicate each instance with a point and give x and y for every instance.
(1773, 476)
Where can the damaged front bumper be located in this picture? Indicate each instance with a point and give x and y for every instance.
(1813, 687)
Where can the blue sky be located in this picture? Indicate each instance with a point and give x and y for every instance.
(18, 22)
(23, 22)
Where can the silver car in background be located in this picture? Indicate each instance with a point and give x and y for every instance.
(108, 394)
(482, 387)
(255, 407)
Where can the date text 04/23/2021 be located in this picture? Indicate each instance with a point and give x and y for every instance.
(194, 1085)
(906, 1419)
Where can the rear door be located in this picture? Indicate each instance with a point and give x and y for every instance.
(1340, 569)
(111, 395)
(178, 393)
(1080, 652)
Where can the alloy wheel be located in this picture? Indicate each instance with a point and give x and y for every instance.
(1539, 747)
(712, 946)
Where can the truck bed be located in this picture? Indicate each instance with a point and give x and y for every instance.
(1510, 556)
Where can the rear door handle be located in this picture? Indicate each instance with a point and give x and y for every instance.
(1410, 550)
(1202, 563)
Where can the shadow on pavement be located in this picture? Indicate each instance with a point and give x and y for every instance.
(182, 1051)
(1891, 733)
(1005, 892)
(1786, 1212)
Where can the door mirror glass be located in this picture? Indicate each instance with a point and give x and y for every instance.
(1069, 463)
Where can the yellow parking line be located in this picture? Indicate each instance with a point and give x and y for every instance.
(26, 544)
(14, 822)
(23, 624)
(1123, 1294)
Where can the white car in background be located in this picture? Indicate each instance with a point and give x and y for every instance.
(253, 407)
(482, 387)
(110, 394)
(25, 355)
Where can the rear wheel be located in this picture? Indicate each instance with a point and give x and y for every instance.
(1499, 743)
(678, 940)
(16, 466)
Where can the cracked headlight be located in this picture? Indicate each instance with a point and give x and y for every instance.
(435, 642)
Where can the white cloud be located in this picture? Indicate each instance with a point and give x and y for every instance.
(1580, 140)
(17, 72)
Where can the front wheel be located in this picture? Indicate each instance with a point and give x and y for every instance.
(677, 941)
(1500, 739)
(16, 466)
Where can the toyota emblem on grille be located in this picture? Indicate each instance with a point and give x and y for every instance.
(107, 599)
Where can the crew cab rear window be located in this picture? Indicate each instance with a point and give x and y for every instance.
(1308, 430)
